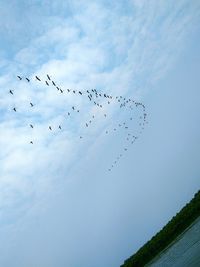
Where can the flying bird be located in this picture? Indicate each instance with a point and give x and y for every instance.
(37, 78)
(61, 90)
(28, 80)
(46, 83)
(80, 92)
(31, 125)
(31, 104)
(48, 77)
(59, 127)
(11, 92)
(20, 78)
(31, 142)
(53, 83)
(50, 128)
(14, 109)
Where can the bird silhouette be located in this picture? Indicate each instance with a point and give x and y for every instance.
(31, 142)
(14, 109)
(47, 83)
(11, 92)
(20, 78)
(80, 92)
(28, 80)
(48, 77)
(59, 127)
(86, 125)
(31, 104)
(37, 78)
(61, 90)
(53, 83)
(50, 128)
(31, 125)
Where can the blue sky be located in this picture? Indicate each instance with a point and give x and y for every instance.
(59, 206)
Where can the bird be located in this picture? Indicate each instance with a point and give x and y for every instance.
(78, 110)
(74, 91)
(61, 90)
(31, 104)
(80, 92)
(108, 102)
(68, 90)
(86, 125)
(59, 127)
(14, 109)
(53, 83)
(37, 78)
(68, 113)
(73, 108)
(28, 80)
(31, 125)
(104, 115)
(109, 170)
(46, 83)
(48, 77)
(31, 142)
(106, 132)
(50, 128)
(11, 92)
(81, 137)
(20, 78)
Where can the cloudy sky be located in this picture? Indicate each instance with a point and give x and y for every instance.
(59, 204)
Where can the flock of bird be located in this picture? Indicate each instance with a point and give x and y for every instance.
(98, 99)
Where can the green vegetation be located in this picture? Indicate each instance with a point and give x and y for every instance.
(169, 232)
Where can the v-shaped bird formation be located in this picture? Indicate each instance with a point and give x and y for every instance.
(101, 101)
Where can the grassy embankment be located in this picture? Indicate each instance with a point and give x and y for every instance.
(165, 236)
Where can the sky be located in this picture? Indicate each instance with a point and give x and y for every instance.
(59, 204)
